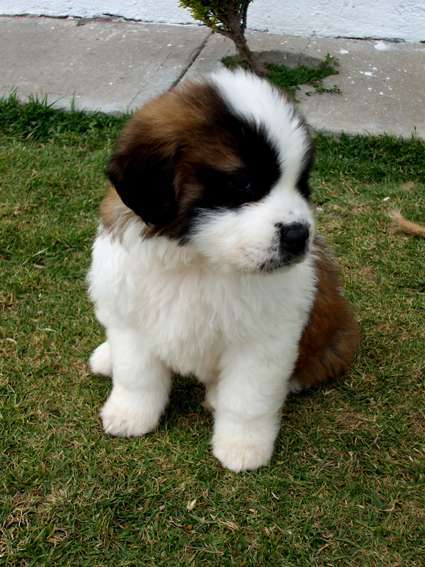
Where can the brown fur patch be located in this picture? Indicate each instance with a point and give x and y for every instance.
(332, 334)
(152, 165)
(114, 214)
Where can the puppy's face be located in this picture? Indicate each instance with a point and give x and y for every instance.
(222, 167)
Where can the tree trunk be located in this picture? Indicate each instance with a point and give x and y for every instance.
(235, 24)
(245, 53)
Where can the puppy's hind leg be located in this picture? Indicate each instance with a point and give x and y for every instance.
(100, 361)
(141, 386)
(295, 387)
(210, 401)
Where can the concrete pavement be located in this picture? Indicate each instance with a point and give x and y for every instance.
(115, 66)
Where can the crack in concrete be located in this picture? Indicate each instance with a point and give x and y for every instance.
(193, 59)
(191, 62)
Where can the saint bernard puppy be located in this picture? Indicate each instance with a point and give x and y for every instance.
(206, 263)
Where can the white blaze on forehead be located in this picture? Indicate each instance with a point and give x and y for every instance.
(255, 99)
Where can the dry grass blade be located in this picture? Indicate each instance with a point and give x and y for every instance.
(407, 226)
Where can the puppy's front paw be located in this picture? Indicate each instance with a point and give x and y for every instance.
(242, 453)
(128, 415)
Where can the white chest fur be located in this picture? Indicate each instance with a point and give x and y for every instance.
(189, 312)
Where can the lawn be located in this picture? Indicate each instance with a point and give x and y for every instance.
(346, 486)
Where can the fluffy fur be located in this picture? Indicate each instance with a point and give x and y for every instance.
(206, 263)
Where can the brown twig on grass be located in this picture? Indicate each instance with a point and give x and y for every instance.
(407, 226)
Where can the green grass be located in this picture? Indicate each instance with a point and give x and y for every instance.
(346, 483)
(293, 78)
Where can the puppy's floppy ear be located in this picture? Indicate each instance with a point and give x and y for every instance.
(144, 179)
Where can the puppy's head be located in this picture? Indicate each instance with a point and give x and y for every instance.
(221, 166)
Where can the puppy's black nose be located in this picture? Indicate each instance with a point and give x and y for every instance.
(293, 237)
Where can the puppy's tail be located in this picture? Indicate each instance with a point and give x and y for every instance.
(407, 226)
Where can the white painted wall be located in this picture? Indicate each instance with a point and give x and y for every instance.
(397, 19)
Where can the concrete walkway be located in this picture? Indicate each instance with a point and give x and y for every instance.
(115, 66)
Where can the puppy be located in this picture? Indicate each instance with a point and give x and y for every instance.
(206, 263)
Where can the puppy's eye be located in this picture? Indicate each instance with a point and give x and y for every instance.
(242, 185)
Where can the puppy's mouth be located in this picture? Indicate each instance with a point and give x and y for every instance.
(274, 264)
